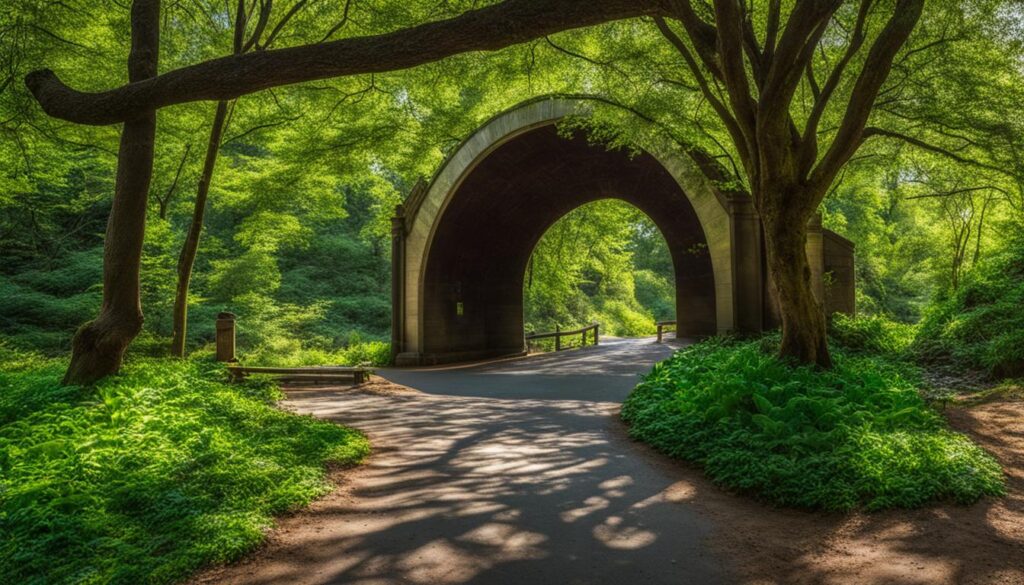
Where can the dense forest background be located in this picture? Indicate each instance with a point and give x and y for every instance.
(296, 233)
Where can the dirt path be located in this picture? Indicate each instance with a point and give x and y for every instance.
(942, 544)
(520, 472)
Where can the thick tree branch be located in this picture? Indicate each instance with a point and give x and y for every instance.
(485, 29)
(720, 108)
(703, 35)
(873, 131)
(734, 72)
(862, 99)
(771, 32)
(822, 97)
(241, 19)
(806, 25)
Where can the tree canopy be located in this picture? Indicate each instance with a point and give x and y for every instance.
(926, 187)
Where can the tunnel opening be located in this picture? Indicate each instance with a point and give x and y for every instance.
(472, 305)
(604, 262)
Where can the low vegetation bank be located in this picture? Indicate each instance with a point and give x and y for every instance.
(152, 474)
(858, 435)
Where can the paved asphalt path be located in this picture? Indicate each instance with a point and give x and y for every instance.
(510, 472)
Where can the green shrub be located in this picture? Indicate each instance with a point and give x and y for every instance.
(871, 334)
(981, 325)
(289, 353)
(152, 474)
(858, 435)
(625, 319)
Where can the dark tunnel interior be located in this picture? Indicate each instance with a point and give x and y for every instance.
(473, 286)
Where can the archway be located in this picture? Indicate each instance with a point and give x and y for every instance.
(461, 242)
(604, 262)
(473, 282)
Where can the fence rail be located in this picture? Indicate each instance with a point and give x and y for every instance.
(663, 326)
(557, 334)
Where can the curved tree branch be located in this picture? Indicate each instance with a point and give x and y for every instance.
(484, 29)
(873, 131)
(862, 99)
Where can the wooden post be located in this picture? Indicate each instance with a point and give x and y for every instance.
(226, 337)
(558, 338)
(659, 332)
(597, 329)
(583, 338)
(397, 282)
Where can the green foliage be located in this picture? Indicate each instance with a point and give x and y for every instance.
(858, 435)
(602, 262)
(357, 353)
(150, 476)
(871, 334)
(981, 325)
(43, 306)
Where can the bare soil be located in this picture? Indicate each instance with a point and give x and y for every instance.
(978, 544)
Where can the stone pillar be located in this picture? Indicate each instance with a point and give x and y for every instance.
(816, 257)
(397, 281)
(747, 269)
(226, 337)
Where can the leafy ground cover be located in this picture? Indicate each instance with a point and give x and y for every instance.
(858, 435)
(981, 324)
(872, 335)
(152, 474)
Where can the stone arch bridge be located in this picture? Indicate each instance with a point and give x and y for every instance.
(461, 242)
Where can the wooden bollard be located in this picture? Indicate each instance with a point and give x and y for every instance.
(226, 337)
(558, 338)
(597, 329)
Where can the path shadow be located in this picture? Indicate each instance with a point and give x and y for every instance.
(471, 490)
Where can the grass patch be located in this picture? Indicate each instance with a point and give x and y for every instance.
(151, 475)
(858, 435)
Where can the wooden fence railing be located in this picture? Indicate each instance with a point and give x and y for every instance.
(557, 334)
(663, 326)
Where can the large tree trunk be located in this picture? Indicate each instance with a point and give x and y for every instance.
(98, 346)
(187, 258)
(804, 335)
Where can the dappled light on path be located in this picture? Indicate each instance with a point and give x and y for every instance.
(486, 475)
(465, 488)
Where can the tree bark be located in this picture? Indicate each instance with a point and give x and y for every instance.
(98, 347)
(187, 258)
(804, 333)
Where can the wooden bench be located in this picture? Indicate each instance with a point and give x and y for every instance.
(309, 375)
